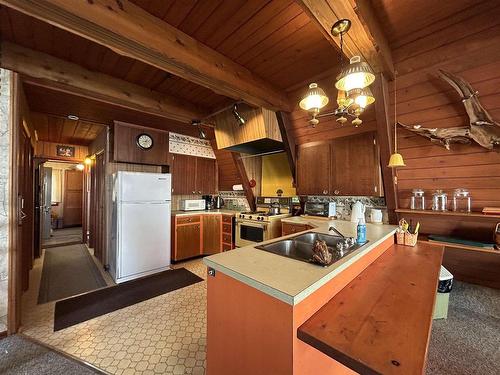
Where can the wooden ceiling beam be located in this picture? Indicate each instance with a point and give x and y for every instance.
(44, 70)
(365, 38)
(130, 31)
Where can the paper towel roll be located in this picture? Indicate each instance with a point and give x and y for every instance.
(237, 187)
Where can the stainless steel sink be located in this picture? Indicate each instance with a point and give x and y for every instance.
(300, 247)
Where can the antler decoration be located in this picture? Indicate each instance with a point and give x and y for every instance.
(482, 128)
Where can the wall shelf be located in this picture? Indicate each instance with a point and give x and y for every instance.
(448, 213)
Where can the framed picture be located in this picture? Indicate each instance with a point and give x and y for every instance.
(65, 151)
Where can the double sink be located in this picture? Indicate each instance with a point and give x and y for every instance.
(300, 247)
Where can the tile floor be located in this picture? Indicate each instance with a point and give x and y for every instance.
(163, 335)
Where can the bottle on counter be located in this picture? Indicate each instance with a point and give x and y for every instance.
(361, 231)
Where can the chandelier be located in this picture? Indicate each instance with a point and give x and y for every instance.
(353, 82)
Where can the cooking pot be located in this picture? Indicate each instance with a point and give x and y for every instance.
(274, 209)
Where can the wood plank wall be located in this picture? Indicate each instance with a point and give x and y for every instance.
(48, 150)
(228, 174)
(470, 49)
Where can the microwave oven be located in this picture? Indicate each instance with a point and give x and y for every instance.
(326, 209)
(192, 204)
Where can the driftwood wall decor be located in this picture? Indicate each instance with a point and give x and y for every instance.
(482, 128)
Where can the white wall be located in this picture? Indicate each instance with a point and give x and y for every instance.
(5, 90)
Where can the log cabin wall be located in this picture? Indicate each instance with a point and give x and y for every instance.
(469, 48)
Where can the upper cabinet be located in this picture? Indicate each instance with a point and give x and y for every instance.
(139, 145)
(193, 175)
(343, 166)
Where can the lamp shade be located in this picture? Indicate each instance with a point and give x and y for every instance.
(396, 160)
(356, 75)
(314, 99)
(362, 97)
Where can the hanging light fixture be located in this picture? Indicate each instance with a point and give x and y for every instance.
(396, 159)
(352, 85)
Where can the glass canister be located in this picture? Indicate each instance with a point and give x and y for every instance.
(417, 200)
(439, 201)
(461, 200)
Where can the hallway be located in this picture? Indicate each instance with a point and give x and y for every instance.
(64, 236)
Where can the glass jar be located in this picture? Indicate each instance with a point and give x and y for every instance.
(461, 200)
(417, 200)
(439, 201)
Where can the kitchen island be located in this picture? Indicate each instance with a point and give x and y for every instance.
(256, 301)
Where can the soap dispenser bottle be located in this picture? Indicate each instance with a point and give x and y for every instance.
(361, 232)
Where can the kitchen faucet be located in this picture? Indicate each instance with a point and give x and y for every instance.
(336, 231)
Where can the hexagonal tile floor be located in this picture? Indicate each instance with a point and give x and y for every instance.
(163, 335)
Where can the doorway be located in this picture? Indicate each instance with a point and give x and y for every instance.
(61, 208)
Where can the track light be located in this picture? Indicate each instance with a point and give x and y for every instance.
(240, 119)
(201, 132)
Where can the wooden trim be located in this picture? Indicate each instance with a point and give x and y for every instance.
(131, 31)
(288, 143)
(448, 213)
(384, 139)
(244, 180)
(44, 70)
(365, 38)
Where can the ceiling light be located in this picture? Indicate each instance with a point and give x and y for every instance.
(201, 132)
(87, 160)
(239, 118)
(396, 159)
(73, 117)
(80, 167)
(352, 84)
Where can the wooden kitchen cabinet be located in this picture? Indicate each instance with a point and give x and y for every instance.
(193, 175)
(313, 169)
(212, 234)
(227, 232)
(342, 166)
(187, 241)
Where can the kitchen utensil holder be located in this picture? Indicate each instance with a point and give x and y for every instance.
(400, 238)
(406, 238)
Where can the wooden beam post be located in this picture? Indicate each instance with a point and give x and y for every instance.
(44, 70)
(288, 143)
(384, 139)
(244, 180)
(365, 38)
(131, 31)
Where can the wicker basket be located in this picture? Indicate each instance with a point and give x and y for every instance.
(410, 239)
(400, 238)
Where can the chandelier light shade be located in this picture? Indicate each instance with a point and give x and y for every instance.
(362, 97)
(314, 99)
(356, 75)
(396, 159)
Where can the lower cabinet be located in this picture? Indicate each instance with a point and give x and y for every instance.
(201, 234)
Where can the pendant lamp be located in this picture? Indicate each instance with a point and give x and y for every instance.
(396, 159)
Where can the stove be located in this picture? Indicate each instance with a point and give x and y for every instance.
(260, 225)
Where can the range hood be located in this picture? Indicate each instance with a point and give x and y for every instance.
(259, 133)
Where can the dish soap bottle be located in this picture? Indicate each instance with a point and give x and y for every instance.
(361, 231)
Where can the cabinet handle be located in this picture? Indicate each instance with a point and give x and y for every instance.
(194, 192)
(199, 192)
(336, 192)
(325, 192)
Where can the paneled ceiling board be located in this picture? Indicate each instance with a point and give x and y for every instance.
(59, 104)
(408, 20)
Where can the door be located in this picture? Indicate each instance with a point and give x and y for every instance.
(212, 232)
(188, 241)
(206, 176)
(144, 238)
(73, 198)
(183, 174)
(355, 165)
(46, 193)
(313, 169)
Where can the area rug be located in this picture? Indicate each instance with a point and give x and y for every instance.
(78, 309)
(20, 355)
(68, 271)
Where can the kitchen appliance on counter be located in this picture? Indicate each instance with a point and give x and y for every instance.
(358, 212)
(376, 216)
(218, 202)
(497, 236)
(262, 224)
(140, 237)
(209, 201)
(439, 201)
(192, 204)
(461, 200)
(417, 200)
(324, 209)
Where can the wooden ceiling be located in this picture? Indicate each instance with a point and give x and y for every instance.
(50, 109)
(274, 39)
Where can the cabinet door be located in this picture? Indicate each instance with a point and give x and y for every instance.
(206, 176)
(183, 174)
(313, 169)
(212, 226)
(188, 241)
(355, 166)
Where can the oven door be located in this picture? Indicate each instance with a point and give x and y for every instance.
(250, 232)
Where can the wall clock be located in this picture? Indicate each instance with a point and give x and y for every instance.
(144, 141)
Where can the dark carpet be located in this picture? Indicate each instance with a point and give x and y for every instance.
(468, 342)
(19, 355)
(78, 309)
(68, 271)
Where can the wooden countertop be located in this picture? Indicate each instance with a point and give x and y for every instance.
(380, 323)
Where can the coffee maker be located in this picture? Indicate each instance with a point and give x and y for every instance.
(209, 201)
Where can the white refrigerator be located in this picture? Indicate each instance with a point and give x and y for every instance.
(140, 238)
